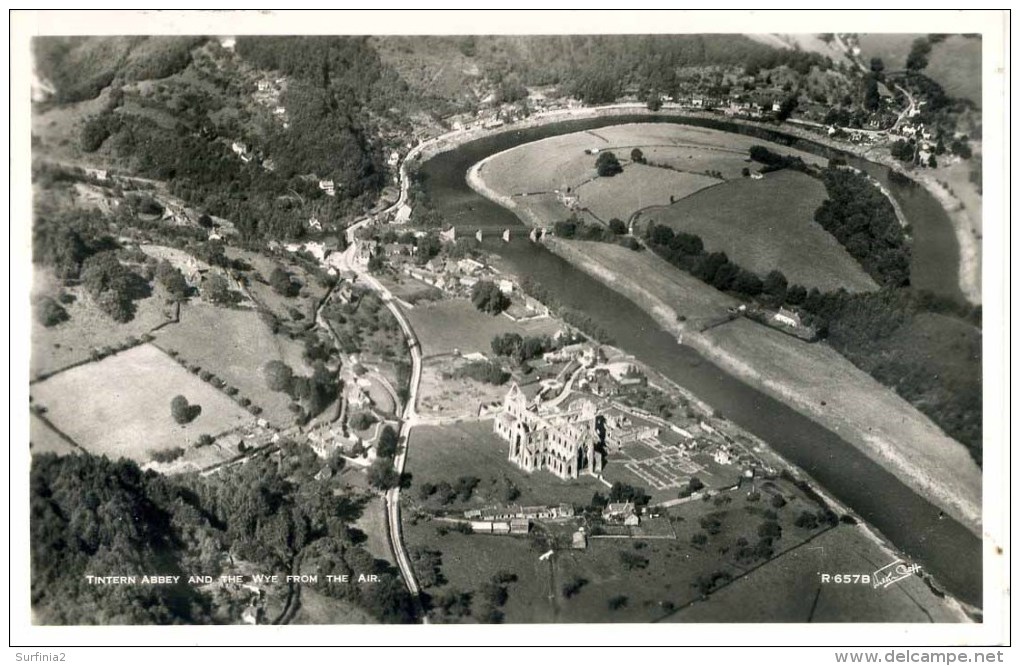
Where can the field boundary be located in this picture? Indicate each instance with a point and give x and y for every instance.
(60, 433)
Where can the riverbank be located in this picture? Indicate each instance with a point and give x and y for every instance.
(813, 379)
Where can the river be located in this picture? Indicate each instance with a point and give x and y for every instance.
(944, 547)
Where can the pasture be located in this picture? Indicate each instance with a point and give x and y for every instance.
(559, 162)
(88, 327)
(235, 345)
(444, 453)
(452, 325)
(768, 224)
(789, 589)
(956, 65)
(120, 406)
(639, 186)
(442, 393)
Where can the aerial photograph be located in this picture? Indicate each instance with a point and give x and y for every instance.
(505, 329)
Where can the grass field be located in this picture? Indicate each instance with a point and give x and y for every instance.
(639, 186)
(790, 589)
(44, 439)
(120, 406)
(892, 48)
(768, 224)
(235, 345)
(88, 327)
(559, 162)
(448, 325)
(444, 453)
(956, 65)
(470, 561)
(373, 523)
(443, 394)
(305, 302)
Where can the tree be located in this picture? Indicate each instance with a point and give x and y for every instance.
(388, 443)
(745, 172)
(361, 420)
(49, 312)
(182, 411)
(637, 156)
(282, 284)
(172, 280)
(381, 474)
(654, 102)
(918, 58)
(806, 520)
(506, 344)
(775, 286)
(786, 108)
(877, 66)
(488, 298)
(279, 376)
(617, 226)
(871, 96)
(770, 529)
(607, 165)
(216, 290)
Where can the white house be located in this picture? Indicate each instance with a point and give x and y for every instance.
(328, 186)
(786, 317)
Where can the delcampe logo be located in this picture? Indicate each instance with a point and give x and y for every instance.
(892, 573)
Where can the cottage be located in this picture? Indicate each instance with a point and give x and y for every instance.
(787, 318)
(506, 286)
(328, 186)
(621, 512)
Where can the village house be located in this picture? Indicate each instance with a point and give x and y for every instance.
(787, 318)
(328, 186)
(622, 513)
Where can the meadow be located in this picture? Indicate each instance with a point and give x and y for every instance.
(235, 345)
(767, 224)
(639, 186)
(88, 328)
(120, 406)
(790, 589)
(445, 326)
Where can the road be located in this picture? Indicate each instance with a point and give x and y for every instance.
(408, 419)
